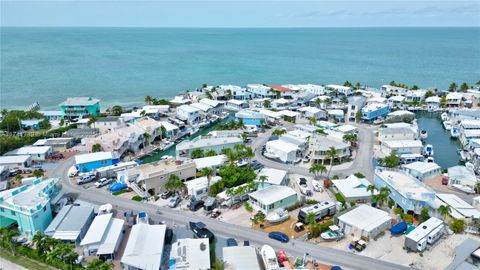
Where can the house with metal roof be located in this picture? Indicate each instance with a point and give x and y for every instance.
(16, 161)
(144, 249)
(364, 221)
(273, 177)
(206, 143)
(354, 189)
(104, 236)
(188, 253)
(423, 170)
(38, 153)
(240, 257)
(71, 223)
(460, 208)
(79, 107)
(467, 256)
(92, 161)
(272, 198)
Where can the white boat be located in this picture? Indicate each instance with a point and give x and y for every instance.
(444, 116)
(304, 189)
(278, 216)
(333, 233)
(194, 130)
(455, 132)
(269, 258)
(224, 115)
(466, 189)
(168, 145)
(423, 134)
(317, 186)
(142, 217)
(430, 160)
(447, 125)
(428, 150)
(105, 209)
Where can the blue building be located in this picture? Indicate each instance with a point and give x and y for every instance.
(93, 161)
(250, 117)
(406, 191)
(28, 206)
(374, 111)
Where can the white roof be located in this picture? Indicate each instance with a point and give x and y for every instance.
(240, 258)
(237, 102)
(289, 113)
(91, 157)
(407, 186)
(424, 229)
(191, 253)
(422, 167)
(454, 95)
(282, 146)
(80, 101)
(201, 182)
(30, 150)
(109, 241)
(207, 141)
(376, 100)
(272, 194)
(311, 110)
(353, 187)
(97, 229)
(365, 217)
(201, 106)
(293, 139)
(400, 113)
(270, 113)
(461, 209)
(462, 173)
(336, 112)
(213, 161)
(14, 159)
(300, 133)
(403, 143)
(281, 101)
(179, 100)
(188, 108)
(145, 246)
(397, 98)
(346, 128)
(210, 102)
(274, 176)
(339, 87)
(168, 126)
(373, 107)
(433, 99)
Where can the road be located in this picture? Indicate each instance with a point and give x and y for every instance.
(257, 238)
(362, 162)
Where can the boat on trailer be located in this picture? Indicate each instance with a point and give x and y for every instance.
(278, 217)
(269, 258)
(333, 233)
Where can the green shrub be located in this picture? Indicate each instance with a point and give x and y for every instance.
(340, 198)
(295, 206)
(311, 201)
(457, 225)
(118, 192)
(248, 207)
(137, 198)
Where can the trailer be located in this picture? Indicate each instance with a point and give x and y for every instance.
(321, 210)
(426, 233)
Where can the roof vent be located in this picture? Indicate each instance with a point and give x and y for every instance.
(203, 247)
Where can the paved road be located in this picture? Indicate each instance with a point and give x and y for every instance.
(257, 238)
(362, 162)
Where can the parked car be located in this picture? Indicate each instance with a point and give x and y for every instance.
(215, 213)
(231, 242)
(38, 168)
(317, 186)
(246, 243)
(256, 165)
(27, 171)
(279, 236)
(195, 205)
(174, 201)
(299, 227)
(167, 194)
(85, 179)
(102, 182)
(14, 172)
(358, 245)
(200, 230)
(306, 159)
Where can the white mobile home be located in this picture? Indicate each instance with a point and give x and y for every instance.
(364, 221)
(284, 151)
(427, 232)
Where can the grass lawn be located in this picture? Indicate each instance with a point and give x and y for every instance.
(118, 192)
(23, 261)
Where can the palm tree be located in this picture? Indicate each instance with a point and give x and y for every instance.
(317, 169)
(232, 156)
(7, 239)
(148, 100)
(279, 132)
(38, 241)
(444, 211)
(382, 196)
(143, 113)
(320, 131)
(37, 174)
(96, 148)
(358, 85)
(247, 153)
(244, 136)
(332, 154)
(210, 153)
(371, 188)
(262, 179)
(318, 102)
(452, 87)
(174, 184)
(266, 103)
(208, 172)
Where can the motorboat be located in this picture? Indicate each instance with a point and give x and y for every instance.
(167, 145)
(455, 132)
(105, 209)
(430, 160)
(444, 116)
(278, 216)
(317, 186)
(423, 134)
(142, 217)
(224, 115)
(304, 189)
(269, 258)
(466, 189)
(428, 150)
(447, 125)
(194, 130)
(333, 233)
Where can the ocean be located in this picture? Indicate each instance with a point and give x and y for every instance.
(123, 65)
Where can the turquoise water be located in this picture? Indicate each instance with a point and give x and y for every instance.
(122, 65)
(445, 148)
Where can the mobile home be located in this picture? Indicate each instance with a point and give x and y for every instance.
(426, 233)
(321, 210)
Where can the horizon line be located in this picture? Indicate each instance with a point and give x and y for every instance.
(242, 27)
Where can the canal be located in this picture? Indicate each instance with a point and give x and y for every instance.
(171, 151)
(445, 149)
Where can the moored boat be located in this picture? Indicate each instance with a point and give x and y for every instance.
(430, 160)
(269, 258)
(428, 150)
(423, 134)
(194, 130)
(447, 125)
(466, 189)
(455, 132)
(444, 116)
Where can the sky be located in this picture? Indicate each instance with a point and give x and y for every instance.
(230, 13)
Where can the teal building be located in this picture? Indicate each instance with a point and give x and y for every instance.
(28, 206)
(80, 107)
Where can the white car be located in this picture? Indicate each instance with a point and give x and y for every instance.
(102, 182)
(316, 186)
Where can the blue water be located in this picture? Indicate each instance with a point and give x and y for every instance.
(122, 65)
